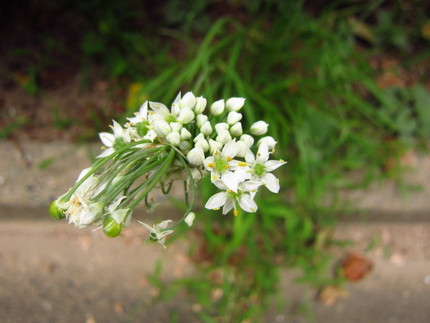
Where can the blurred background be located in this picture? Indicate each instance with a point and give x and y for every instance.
(345, 88)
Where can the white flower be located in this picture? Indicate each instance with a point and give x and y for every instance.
(158, 232)
(201, 119)
(229, 199)
(235, 104)
(236, 129)
(233, 117)
(188, 101)
(115, 141)
(196, 156)
(190, 219)
(259, 128)
(119, 215)
(206, 128)
(173, 138)
(217, 107)
(241, 149)
(223, 166)
(200, 105)
(141, 115)
(261, 167)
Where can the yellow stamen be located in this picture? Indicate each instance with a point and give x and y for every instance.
(236, 212)
(243, 164)
(211, 165)
(227, 166)
(214, 178)
(229, 158)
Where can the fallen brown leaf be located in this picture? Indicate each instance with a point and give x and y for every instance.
(355, 266)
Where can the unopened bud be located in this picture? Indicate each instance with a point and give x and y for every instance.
(217, 107)
(235, 104)
(259, 128)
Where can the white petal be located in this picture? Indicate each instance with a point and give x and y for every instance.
(117, 129)
(263, 152)
(106, 152)
(190, 219)
(220, 184)
(271, 165)
(247, 203)
(107, 139)
(163, 224)
(229, 150)
(216, 201)
(229, 204)
(230, 180)
(249, 156)
(159, 108)
(271, 182)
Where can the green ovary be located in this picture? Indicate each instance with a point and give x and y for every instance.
(119, 144)
(221, 165)
(259, 169)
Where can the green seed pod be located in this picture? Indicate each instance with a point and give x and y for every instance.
(111, 228)
(55, 211)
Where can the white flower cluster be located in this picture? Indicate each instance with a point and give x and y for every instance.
(159, 142)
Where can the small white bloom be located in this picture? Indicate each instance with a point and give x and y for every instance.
(206, 128)
(190, 219)
(119, 215)
(233, 117)
(236, 129)
(235, 104)
(141, 115)
(261, 167)
(158, 232)
(220, 127)
(115, 141)
(186, 115)
(259, 128)
(173, 138)
(230, 200)
(196, 156)
(201, 119)
(224, 137)
(188, 101)
(217, 107)
(200, 105)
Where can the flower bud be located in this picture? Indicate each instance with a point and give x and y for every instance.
(235, 104)
(248, 140)
(201, 119)
(185, 134)
(176, 126)
(233, 117)
(186, 115)
(196, 156)
(200, 105)
(173, 138)
(220, 127)
(214, 145)
(110, 227)
(188, 101)
(269, 141)
(259, 128)
(206, 128)
(162, 128)
(190, 219)
(185, 146)
(236, 129)
(203, 144)
(217, 107)
(224, 137)
(56, 211)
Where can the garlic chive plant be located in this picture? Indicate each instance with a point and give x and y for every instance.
(158, 146)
